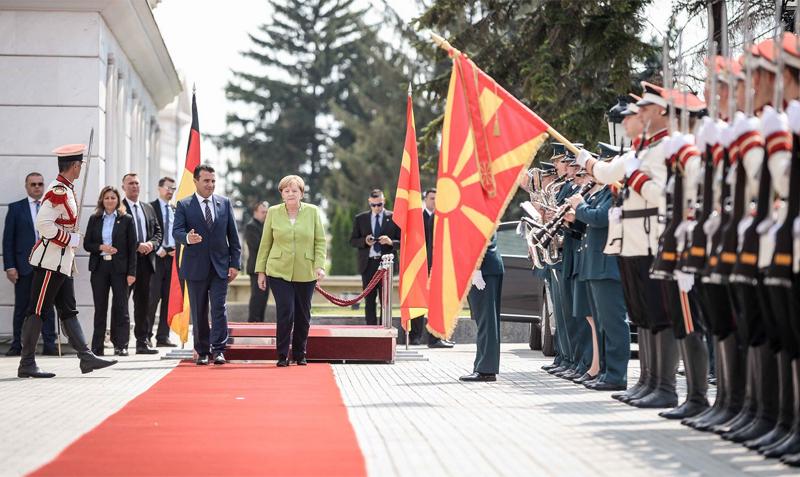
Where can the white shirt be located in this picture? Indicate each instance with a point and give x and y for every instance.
(430, 212)
(210, 204)
(166, 211)
(138, 213)
(34, 212)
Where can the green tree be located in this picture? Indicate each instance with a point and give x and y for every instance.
(306, 55)
(342, 254)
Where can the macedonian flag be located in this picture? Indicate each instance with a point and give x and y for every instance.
(488, 139)
(178, 315)
(408, 216)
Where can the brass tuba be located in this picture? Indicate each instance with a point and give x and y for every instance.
(533, 224)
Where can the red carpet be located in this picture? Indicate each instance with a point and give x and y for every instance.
(237, 419)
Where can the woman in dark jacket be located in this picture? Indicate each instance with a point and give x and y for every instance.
(111, 242)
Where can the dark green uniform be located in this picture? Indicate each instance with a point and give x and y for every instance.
(484, 305)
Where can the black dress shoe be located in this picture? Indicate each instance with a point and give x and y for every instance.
(602, 386)
(33, 372)
(202, 361)
(441, 344)
(98, 352)
(478, 377)
(219, 359)
(165, 344)
(584, 379)
(50, 351)
(301, 362)
(145, 349)
(548, 367)
(283, 362)
(14, 352)
(123, 352)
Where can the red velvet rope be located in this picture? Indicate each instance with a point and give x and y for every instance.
(342, 302)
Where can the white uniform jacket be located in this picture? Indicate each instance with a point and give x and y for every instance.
(55, 221)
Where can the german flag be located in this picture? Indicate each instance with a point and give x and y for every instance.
(408, 216)
(488, 139)
(178, 310)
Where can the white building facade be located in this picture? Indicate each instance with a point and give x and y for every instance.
(70, 66)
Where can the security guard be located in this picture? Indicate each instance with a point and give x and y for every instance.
(53, 261)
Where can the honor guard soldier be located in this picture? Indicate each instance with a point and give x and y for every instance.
(53, 258)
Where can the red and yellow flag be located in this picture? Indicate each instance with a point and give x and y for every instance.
(178, 309)
(408, 216)
(488, 138)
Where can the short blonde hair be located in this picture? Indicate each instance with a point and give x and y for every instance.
(292, 179)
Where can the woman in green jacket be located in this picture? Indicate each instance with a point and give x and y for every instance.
(292, 256)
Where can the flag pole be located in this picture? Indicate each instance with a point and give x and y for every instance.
(452, 51)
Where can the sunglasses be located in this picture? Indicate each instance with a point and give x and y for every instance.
(378, 204)
(37, 184)
(171, 189)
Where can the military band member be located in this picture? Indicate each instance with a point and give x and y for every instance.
(53, 261)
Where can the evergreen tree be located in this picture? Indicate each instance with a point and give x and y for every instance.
(342, 254)
(307, 53)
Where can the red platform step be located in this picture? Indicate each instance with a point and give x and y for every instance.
(256, 341)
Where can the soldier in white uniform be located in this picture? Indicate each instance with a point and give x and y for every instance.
(53, 261)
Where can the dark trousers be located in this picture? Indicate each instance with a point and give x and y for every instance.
(613, 333)
(258, 300)
(293, 306)
(22, 297)
(554, 287)
(104, 279)
(643, 297)
(159, 292)
(208, 296)
(141, 300)
(484, 306)
(370, 305)
(50, 288)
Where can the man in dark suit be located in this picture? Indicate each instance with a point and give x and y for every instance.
(374, 234)
(204, 223)
(165, 253)
(252, 237)
(19, 235)
(148, 236)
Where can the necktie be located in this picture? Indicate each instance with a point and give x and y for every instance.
(139, 231)
(376, 232)
(166, 235)
(209, 218)
(36, 231)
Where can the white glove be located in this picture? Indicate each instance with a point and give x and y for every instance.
(615, 214)
(793, 114)
(74, 239)
(583, 157)
(772, 121)
(685, 281)
(796, 228)
(743, 125)
(632, 165)
(477, 280)
(726, 136)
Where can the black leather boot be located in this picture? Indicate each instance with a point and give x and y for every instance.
(790, 444)
(731, 373)
(650, 363)
(695, 362)
(785, 409)
(644, 372)
(89, 362)
(665, 355)
(721, 392)
(766, 397)
(31, 329)
(749, 405)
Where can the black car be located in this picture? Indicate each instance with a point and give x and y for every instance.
(524, 296)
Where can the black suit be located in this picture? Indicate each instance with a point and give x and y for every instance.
(367, 266)
(111, 274)
(145, 267)
(162, 275)
(258, 299)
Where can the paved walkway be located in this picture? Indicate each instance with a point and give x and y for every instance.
(412, 418)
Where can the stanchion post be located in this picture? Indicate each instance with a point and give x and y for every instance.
(387, 263)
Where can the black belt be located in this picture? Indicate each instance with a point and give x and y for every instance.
(639, 214)
(375, 258)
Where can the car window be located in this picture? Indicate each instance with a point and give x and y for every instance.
(508, 242)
